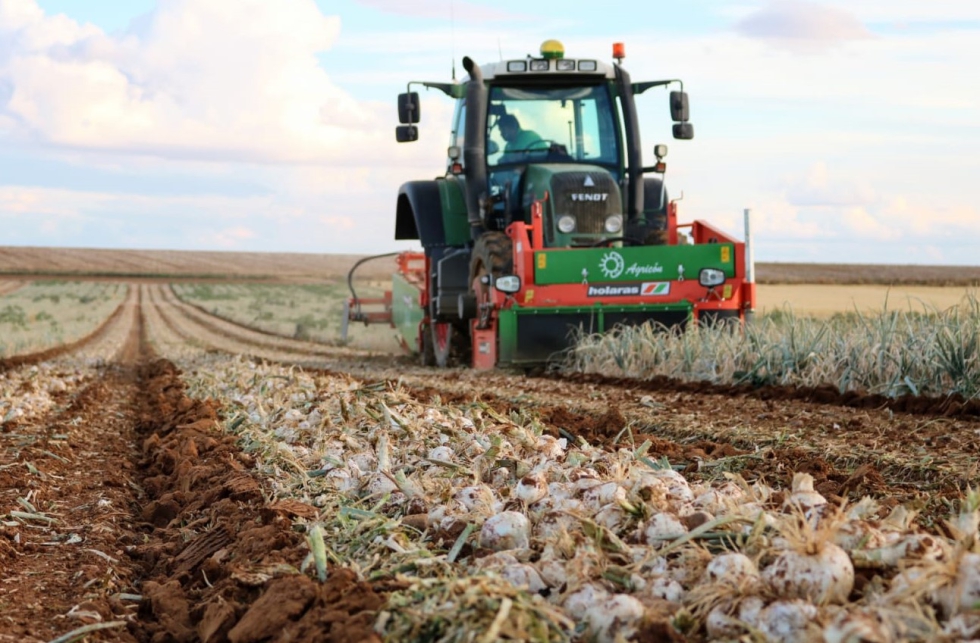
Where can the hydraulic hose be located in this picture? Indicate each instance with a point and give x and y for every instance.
(350, 276)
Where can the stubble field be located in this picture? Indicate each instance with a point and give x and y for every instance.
(178, 476)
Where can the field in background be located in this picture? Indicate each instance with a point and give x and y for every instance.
(306, 268)
(807, 289)
(824, 300)
(271, 266)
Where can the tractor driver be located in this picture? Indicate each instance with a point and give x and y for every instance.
(519, 141)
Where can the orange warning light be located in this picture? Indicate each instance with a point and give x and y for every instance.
(619, 50)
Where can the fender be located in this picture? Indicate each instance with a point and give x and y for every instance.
(433, 212)
(651, 199)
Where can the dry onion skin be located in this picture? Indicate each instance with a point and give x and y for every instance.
(494, 524)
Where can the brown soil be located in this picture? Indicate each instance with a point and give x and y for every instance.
(221, 564)
(170, 540)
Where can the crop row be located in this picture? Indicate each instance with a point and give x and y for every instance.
(495, 526)
(42, 315)
(892, 353)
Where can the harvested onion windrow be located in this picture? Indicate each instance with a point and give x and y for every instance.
(462, 499)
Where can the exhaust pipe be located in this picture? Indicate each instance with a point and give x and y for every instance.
(749, 265)
(473, 147)
(749, 249)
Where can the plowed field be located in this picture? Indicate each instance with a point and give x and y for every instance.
(127, 507)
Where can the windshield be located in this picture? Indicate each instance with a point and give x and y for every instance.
(530, 124)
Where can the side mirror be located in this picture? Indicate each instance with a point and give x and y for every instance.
(680, 110)
(409, 133)
(492, 147)
(683, 131)
(408, 108)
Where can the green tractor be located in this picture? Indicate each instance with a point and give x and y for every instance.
(546, 224)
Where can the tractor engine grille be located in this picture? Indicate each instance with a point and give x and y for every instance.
(590, 197)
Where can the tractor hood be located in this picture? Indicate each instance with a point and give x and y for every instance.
(583, 206)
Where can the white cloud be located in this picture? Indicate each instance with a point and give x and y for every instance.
(819, 188)
(797, 24)
(233, 80)
(440, 9)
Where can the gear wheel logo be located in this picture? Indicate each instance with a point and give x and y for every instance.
(612, 265)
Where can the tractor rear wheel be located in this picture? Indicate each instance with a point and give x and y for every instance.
(493, 255)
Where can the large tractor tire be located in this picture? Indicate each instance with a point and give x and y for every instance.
(493, 255)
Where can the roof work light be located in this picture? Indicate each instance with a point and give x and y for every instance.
(552, 49)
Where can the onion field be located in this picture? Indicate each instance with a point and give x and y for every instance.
(175, 471)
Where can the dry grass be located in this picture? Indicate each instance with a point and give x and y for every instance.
(824, 300)
(809, 273)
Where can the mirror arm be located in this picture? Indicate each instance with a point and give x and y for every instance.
(639, 88)
(453, 90)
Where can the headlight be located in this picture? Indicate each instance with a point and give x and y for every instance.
(539, 65)
(566, 223)
(711, 277)
(508, 284)
(566, 65)
(614, 223)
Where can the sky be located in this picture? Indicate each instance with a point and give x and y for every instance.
(850, 128)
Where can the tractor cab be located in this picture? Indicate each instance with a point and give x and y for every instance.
(558, 130)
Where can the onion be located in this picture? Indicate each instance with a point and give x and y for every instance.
(720, 624)
(506, 530)
(786, 621)
(910, 547)
(531, 488)
(611, 516)
(731, 620)
(553, 572)
(661, 527)
(552, 524)
(803, 495)
(734, 569)
(720, 499)
(523, 576)
(864, 626)
(615, 619)
(475, 496)
(964, 592)
(664, 588)
(824, 577)
(600, 495)
(550, 447)
(584, 597)
(441, 453)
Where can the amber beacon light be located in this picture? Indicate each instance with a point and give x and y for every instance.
(619, 51)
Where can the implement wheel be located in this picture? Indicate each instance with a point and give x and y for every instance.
(442, 338)
(493, 255)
